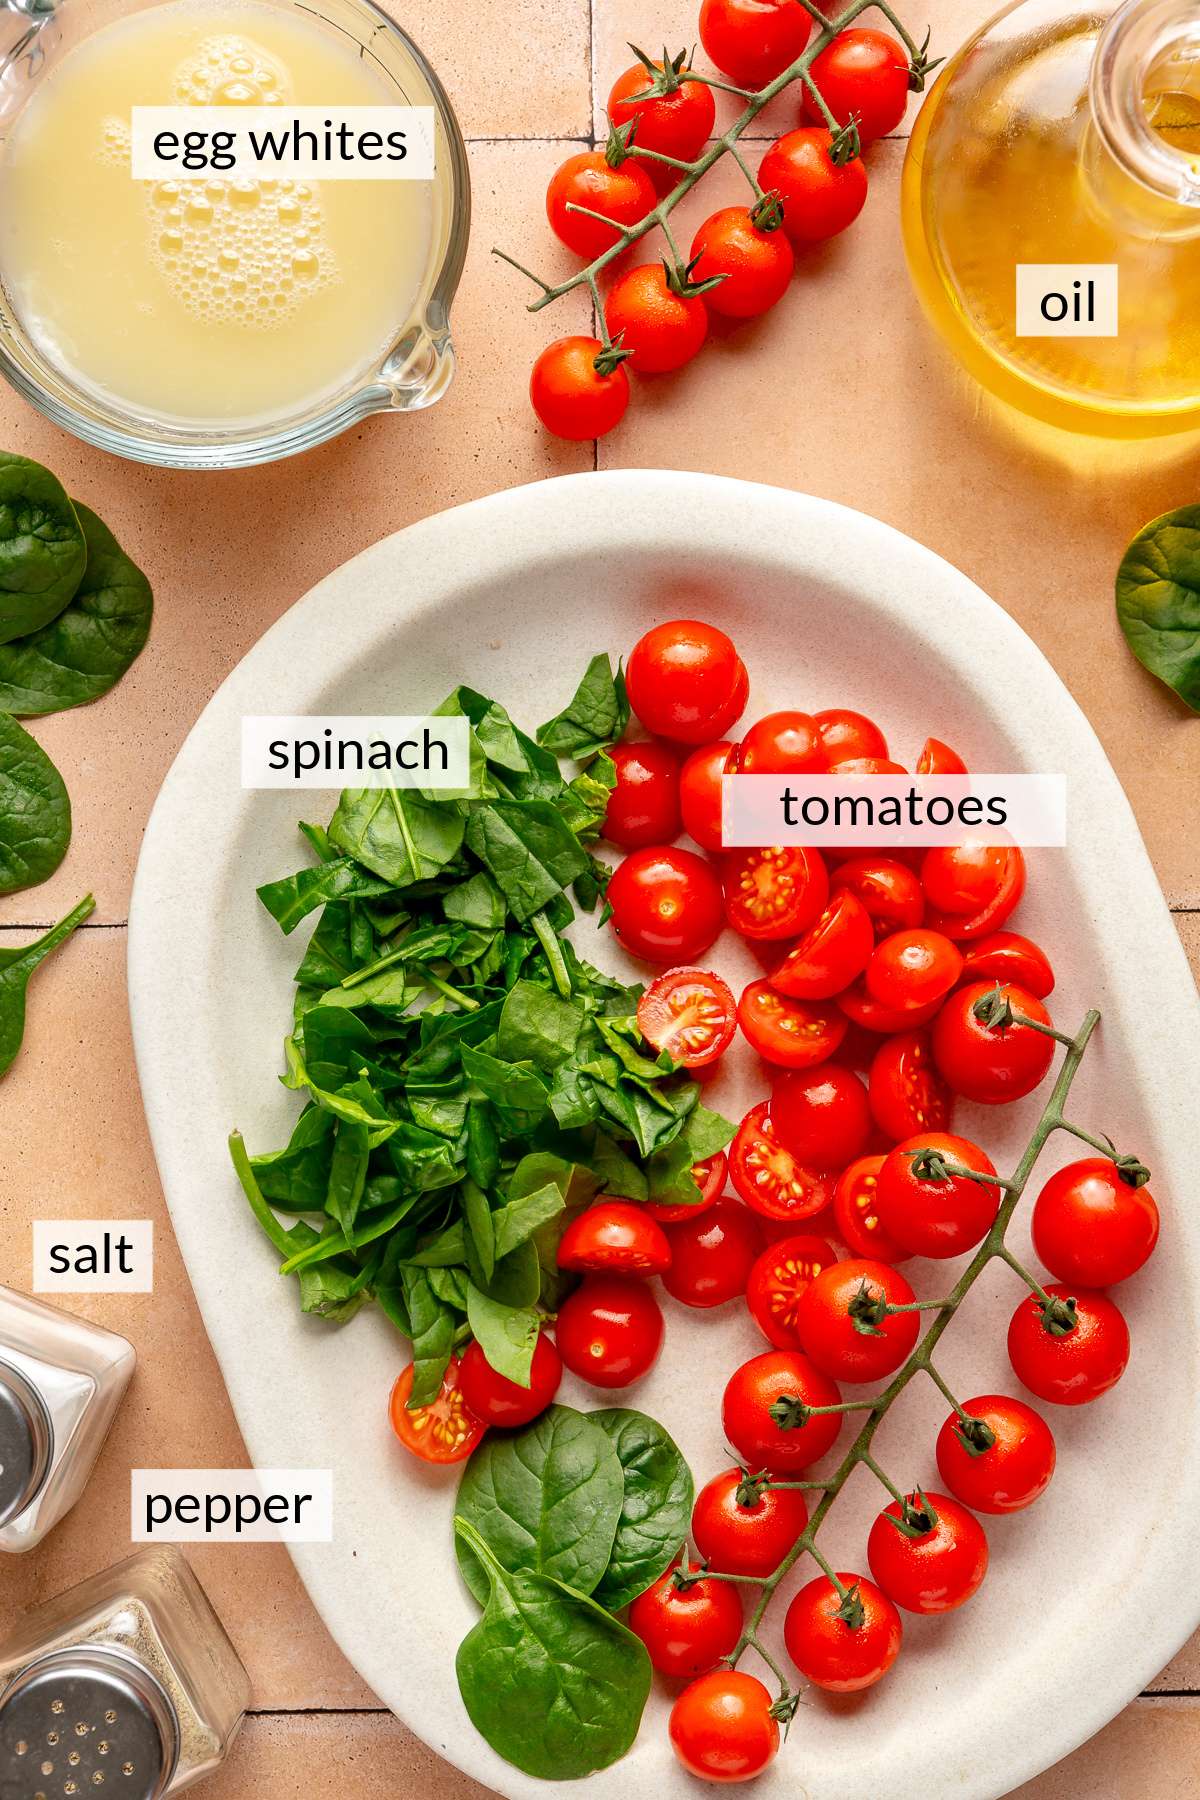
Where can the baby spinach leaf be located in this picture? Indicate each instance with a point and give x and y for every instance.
(537, 1027)
(17, 963)
(596, 716)
(517, 1091)
(547, 1499)
(35, 811)
(42, 551)
(478, 1216)
(519, 1220)
(555, 1685)
(531, 851)
(398, 836)
(347, 1175)
(79, 655)
(1158, 600)
(515, 1281)
(296, 1178)
(655, 1511)
(507, 1335)
(432, 1331)
(332, 1291)
(292, 899)
(476, 902)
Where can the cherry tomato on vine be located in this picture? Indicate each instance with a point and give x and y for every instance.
(863, 74)
(610, 1331)
(937, 1218)
(722, 1727)
(774, 893)
(819, 197)
(864, 1010)
(1091, 1227)
(700, 792)
(971, 888)
(937, 758)
(689, 1013)
(936, 1568)
(830, 1651)
(663, 330)
(444, 1431)
(743, 1526)
(615, 1237)
(991, 1063)
(1007, 956)
(676, 123)
(752, 41)
(842, 1300)
(912, 969)
(768, 1177)
(686, 681)
(821, 1115)
(782, 743)
(905, 1091)
(856, 1212)
(588, 179)
(777, 1282)
(1002, 1476)
(666, 905)
(848, 735)
(793, 1034)
(764, 1392)
(571, 396)
(495, 1399)
(890, 892)
(643, 807)
(709, 1177)
(830, 954)
(1069, 1365)
(688, 1629)
(756, 263)
(712, 1256)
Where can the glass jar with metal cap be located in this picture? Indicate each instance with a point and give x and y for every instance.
(125, 1687)
(61, 1382)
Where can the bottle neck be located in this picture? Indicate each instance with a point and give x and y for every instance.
(1145, 103)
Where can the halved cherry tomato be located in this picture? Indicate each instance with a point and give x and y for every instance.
(777, 1281)
(831, 1651)
(689, 1013)
(774, 893)
(991, 1063)
(768, 1177)
(1071, 1364)
(686, 681)
(751, 1412)
(972, 887)
(904, 1088)
(937, 1218)
(445, 1431)
(821, 1115)
(712, 1256)
(610, 1331)
(849, 735)
(742, 1526)
(928, 1555)
(1093, 1227)
(700, 791)
(856, 1214)
(722, 1727)
(499, 1401)
(1007, 956)
(1006, 1475)
(666, 905)
(911, 969)
(643, 807)
(889, 891)
(795, 1034)
(939, 759)
(617, 1237)
(840, 1302)
(863, 1009)
(687, 1629)
(709, 1177)
(867, 765)
(784, 743)
(830, 954)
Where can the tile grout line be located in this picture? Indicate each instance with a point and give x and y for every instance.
(383, 1712)
(1176, 912)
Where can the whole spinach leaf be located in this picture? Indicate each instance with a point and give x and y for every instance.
(655, 1511)
(1158, 600)
(35, 810)
(17, 963)
(42, 549)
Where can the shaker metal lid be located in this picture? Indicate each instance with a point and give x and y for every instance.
(88, 1722)
(25, 1443)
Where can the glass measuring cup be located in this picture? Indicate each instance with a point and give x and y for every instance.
(408, 371)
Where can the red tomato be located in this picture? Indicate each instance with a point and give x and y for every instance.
(891, 893)
(499, 1401)
(864, 1010)
(643, 808)
(744, 1527)
(862, 75)
(997, 1063)
(1008, 1473)
(700, 792)
(821, 1115)
(768, 1177)
(756, 264)
(867, 765)
(937, 758)
(830, 954)
(777, 1281)
(774, 893)
(687, 1629)
(937, 1218)
(571, 396)
(819, 197)
(856, 1215)
(615, 1237)
(1091, 1227)
(771, 1388)
(843, 1299)
(795, 1034)
(1070, 1364)
(610, 1331)
(904, 1088)
(842, 1645)
(912, 969)
(588, 179)
(686, 681)
(712, 1256)
(709, 1177)
(940, 1565)
(972, 888)
(848, 735)
(1007, 956)
(689, 1013)
(784, 743)
(445, 1431)
(722, 1727)
(663, 330)
(753, 41)
(677, 123)
(666, 905)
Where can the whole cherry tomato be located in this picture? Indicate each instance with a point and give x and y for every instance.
(830, 954)
(1092, 1227)
(661, 328)
(763, 1412)
(862, 75)
(856, 1212)
(777, 1281)
(756, 263)
(610, 1331)
(889, 891)
(905, 1091)
(821, 1115)
(991, 1063)
(971, 888)
(1002, 1475)
(677, 122)
(937, 1218)
(573, 393)
(688, 1626)
(774, 893)
(820, 198)
(1007, 956)
(848, 735)
(937, 758)
(864, 1010)
(930, 1555)
(745, 1527)
(643, 807)
(1074, 1354)
(842, 1644)
(753, 41)
(666, 905)
(689, 1013)
(839, 1303)
(712, 1255)
(912, 968)
(588, 179)
(793, 1034)
(709, 1177)
(783, 743)
(722, 1727)
(495, 1399)
(768, 1177)
(443, 1431)
(615, 1237)
(700, 792)
(686, 681)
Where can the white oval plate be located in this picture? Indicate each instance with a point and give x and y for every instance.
(1091, 1592)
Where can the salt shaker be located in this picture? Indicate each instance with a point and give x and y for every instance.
(61, 1382)
(125, 1688)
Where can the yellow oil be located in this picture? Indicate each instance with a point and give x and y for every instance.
(1004, 167)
